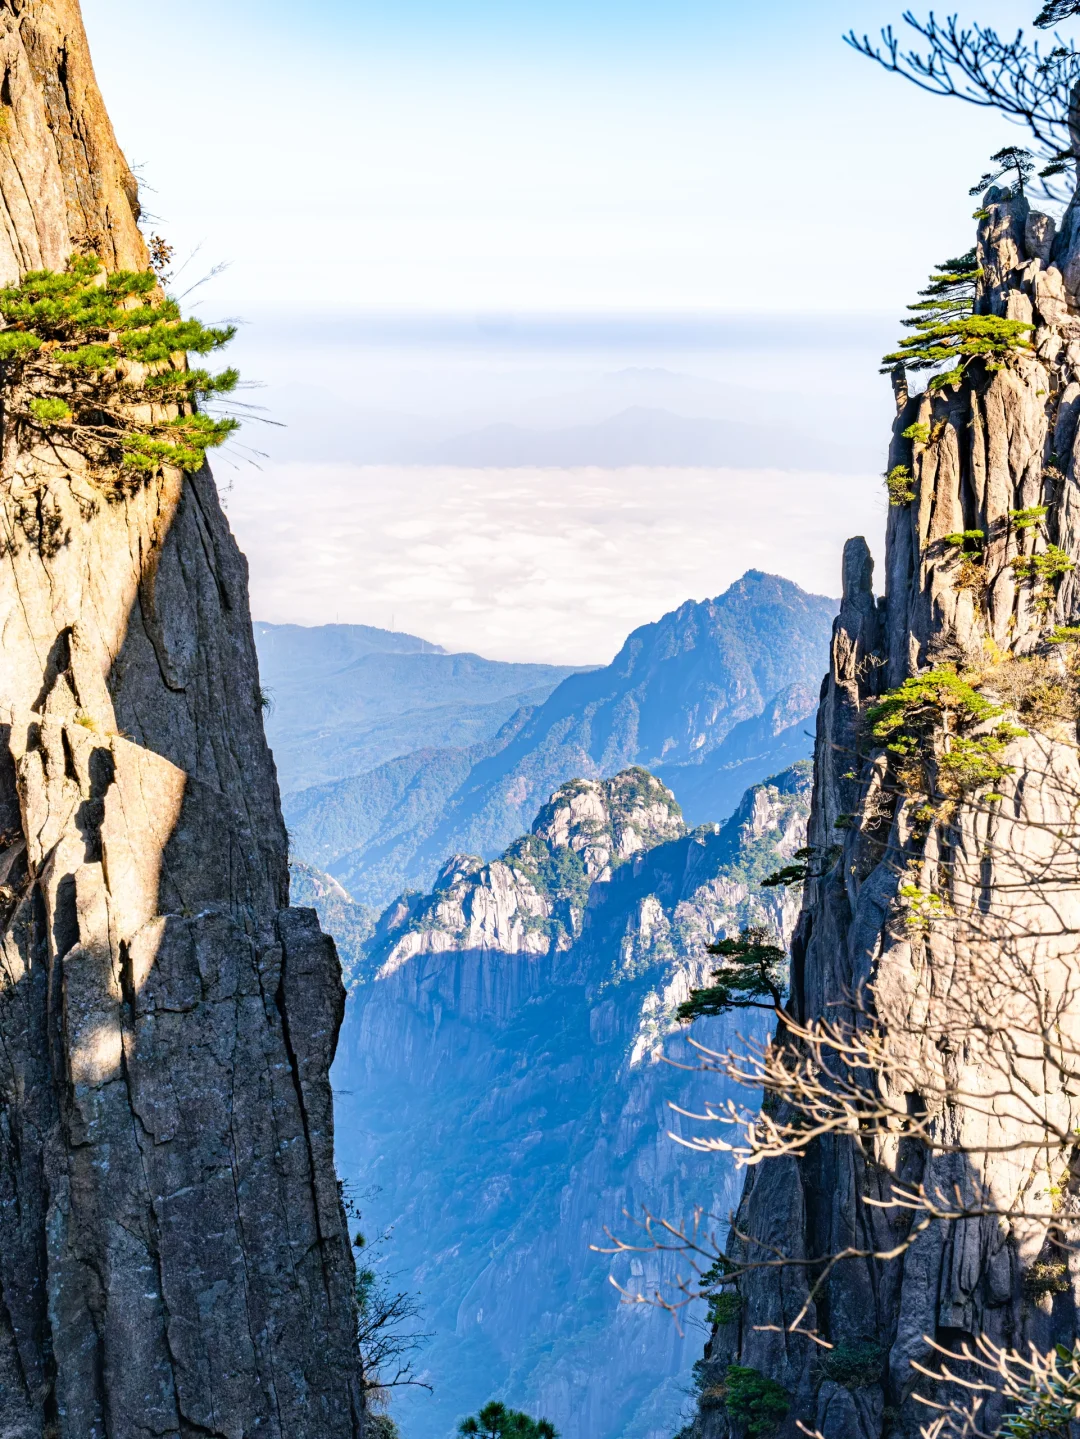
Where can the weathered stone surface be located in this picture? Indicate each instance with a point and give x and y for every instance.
(507, 905)
(174, 1256)
(1003, 441)
(64, 185)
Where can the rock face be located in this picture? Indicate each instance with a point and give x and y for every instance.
(174, 1256)
(1001, 442)
(64, 185)
(533, 899)
(500, 1082)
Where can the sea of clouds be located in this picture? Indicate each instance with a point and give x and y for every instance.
(532, 564)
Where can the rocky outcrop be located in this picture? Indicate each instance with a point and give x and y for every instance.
(64, 185)
(533, 899)
(1002, 902)
(174, 1256)
(509, 1099)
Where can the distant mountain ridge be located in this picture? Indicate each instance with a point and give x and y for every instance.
(645, 435)
(631, 416)
(712, 697)
(345, 698)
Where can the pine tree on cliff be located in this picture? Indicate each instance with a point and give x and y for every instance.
(1055, 11)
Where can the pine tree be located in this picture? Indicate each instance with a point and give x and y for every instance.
(1054, 11)
(496, 1421)
(1012, 159)
(948, 334)
(753, 976)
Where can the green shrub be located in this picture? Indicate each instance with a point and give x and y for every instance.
(1028, 519)
(855, 1364)
(757, 1402)
(900, 485)
(1043, 571)
(496, 1421)
(1045, 1410)
(101, 358)
(926, 727)
(970, 541)
(49, 411)
(724, 1308)
(1044, 1278)
(1050, 565)
(380, 1426)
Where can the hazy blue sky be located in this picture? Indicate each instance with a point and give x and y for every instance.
(557, 193)
(460, 154)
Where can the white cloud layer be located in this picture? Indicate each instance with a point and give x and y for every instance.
(532, 564)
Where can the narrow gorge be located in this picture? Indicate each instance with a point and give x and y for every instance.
(501, 1089)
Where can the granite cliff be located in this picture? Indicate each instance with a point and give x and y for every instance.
(954, 903)
(499, 1085)
(174, 1257)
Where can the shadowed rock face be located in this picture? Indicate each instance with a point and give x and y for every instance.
(999, 442)
(174, 1256)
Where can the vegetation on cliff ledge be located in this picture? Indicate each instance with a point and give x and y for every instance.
(496, 1421)
(97, 363)
(934, 729)
(753, 976)
(949, 335)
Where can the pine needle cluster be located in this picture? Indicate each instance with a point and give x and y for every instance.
(949, 335)
(934, 730)
(1013, 161)
(97, 363)
(753, 976)
(496, 1421)
(1050, 1404)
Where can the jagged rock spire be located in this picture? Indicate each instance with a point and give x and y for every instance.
(998, 456)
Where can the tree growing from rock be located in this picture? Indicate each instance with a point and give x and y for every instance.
(496, 1421)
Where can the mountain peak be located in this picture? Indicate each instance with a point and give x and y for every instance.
(607, 821)
(533, 898)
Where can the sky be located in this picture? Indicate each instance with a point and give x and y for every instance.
(457, 154)
(442, 215)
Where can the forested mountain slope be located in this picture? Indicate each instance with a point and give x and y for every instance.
(713, 697)
(342, 699)
(499, 1083)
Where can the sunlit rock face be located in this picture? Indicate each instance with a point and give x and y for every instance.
(174, 1257)
(1002, 949)
(501, 1093)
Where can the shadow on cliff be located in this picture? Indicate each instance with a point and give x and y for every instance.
(174, 1255)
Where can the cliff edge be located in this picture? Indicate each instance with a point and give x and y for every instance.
(943, 918)
(174, 1255)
